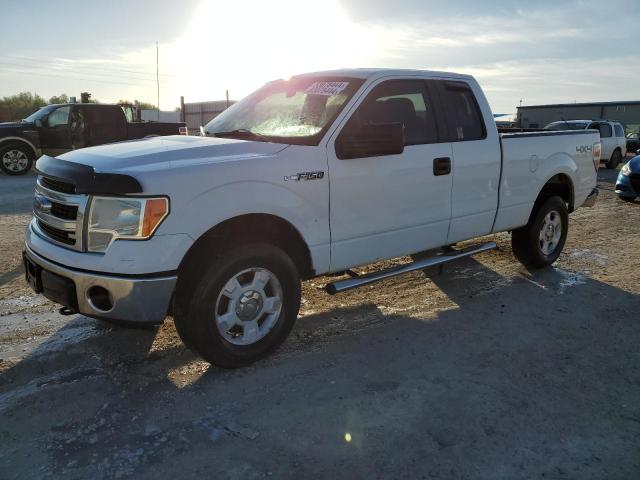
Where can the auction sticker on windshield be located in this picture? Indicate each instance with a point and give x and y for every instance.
(326, 88)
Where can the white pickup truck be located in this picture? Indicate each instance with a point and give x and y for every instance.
(316, 174)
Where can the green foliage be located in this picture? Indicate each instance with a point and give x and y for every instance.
(62, 98)
(21, 105)
(138, 104)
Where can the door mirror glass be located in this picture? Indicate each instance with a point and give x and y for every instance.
(38, 123)
(370, 141)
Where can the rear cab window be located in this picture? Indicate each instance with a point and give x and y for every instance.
(462, 113)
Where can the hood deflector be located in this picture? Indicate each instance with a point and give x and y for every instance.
(86, 179)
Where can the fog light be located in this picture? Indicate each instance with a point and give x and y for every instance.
(100, 298)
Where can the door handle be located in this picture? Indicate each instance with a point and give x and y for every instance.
(441, 166)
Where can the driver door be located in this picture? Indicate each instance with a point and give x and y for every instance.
(391, 205)
(55, 134)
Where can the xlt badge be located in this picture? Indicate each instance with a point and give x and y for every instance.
(304, 176)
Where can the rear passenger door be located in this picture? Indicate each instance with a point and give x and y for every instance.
(607, 140)
(475, 161)
(106, 124)
(390, 205)
(621, 139)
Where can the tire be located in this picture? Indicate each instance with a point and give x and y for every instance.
(232, 324)
(627, 199)
(15, 159)
(615, 159)
(539, 243)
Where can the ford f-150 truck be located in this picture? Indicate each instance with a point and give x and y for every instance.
(317, 174)
(58, 128)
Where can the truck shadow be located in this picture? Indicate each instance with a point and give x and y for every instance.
(529, 372)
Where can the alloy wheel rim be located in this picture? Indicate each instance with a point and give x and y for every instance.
(248, 306)
(550, 233)
(15, 160)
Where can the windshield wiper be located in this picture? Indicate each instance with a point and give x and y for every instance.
(241, 132)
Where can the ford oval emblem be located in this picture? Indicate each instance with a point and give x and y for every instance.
(42, 203)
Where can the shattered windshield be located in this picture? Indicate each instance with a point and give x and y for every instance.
(286, 111)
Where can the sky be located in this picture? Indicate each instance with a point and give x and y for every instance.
(530, 52)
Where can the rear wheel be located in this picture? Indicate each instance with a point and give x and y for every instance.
(615, 159)
(15, 159)
(241, 307)
(539, 243)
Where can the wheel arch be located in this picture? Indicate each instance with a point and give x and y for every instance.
(559, 185)
(242, 229)
(19, 140)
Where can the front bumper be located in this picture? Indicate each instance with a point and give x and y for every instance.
(592, 198)
(626, 186)
(134, 298)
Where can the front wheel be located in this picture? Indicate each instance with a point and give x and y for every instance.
(615, 159)
(627, 199)
(242, 306)
(539, 243)
(15, 159)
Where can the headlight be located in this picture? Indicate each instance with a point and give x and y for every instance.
(130, 218)
(625, 170)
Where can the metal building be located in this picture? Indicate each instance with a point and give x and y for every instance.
(537, 116)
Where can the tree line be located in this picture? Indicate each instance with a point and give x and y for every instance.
(21, 105)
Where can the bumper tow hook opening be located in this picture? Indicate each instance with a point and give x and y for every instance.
(67, 311)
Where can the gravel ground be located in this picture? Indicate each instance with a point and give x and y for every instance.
(485, 370)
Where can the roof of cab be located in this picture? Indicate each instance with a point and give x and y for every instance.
(368, 73)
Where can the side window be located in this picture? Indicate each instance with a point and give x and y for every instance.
(619, 130)
(59, 116)
(463, 113)
(399, 101)
(605, 130)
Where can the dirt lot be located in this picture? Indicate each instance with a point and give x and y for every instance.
(484, 371)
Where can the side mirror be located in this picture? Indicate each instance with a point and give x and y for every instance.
(370, 141)
(38, 123)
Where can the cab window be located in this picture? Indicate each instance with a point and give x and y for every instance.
(619, 130)
(604, 129)
(399, 101)
(58, 117)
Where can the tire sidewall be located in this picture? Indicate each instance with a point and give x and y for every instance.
(201, 312)
(22, 149)
(615, 159)
(557, 204)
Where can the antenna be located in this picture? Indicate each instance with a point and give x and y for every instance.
(158, 79)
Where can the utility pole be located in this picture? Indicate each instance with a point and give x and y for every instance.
(158, 79)
(227, 93)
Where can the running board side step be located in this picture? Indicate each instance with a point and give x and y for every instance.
(450, 256)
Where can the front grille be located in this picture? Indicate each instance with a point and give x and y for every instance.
(61, 236)
(58, 185)
(66, 212)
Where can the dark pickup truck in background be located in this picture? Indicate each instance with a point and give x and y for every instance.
(56, 129)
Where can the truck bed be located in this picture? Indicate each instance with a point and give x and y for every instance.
(542, 154)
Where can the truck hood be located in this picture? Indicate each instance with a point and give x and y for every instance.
(14, 125)
(167, 152)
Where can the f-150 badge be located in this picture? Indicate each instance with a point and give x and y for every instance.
(304, 176)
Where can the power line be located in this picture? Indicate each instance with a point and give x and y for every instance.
(76, 74)
(66, 77)
(65, 62)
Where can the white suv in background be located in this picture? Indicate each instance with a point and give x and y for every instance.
(614, 143)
